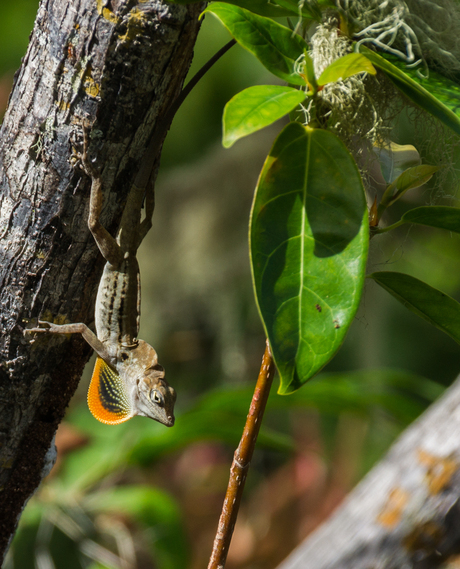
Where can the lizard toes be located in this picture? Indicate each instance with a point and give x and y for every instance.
(45, 327)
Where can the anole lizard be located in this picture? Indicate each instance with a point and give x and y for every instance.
(127, 379)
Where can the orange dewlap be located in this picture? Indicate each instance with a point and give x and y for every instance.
(107, 398)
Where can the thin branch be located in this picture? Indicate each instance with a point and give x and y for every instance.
(194, 80)
(164, 123)
(241, 462)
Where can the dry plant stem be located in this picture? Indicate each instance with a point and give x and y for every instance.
(241, 461)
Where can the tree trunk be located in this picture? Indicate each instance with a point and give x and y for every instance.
(118, 64)
(406, 512)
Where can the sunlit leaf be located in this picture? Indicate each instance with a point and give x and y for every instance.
(346, 66)
(431, 304)
(262, 7)
(257, 107)
(308, 243)
(310, 73)
(441, 217)
(274, 45)
(276, 8)
(414, 91)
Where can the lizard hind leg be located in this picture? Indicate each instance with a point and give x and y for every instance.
(107, 245)
(108, 400)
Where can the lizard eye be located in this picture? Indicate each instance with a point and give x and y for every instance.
(157, 398)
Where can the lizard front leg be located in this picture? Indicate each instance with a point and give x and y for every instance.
(78, 328)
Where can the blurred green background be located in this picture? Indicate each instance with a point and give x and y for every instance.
(138, 495)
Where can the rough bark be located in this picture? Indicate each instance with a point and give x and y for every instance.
(119, 64)
(406, 512)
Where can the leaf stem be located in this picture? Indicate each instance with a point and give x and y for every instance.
(241, 461)
(377, 230)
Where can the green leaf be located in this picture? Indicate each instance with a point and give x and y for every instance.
(431, 304)
(274, 45)
(444, 89)
(310, 73)
(308, 245)
(408, 180)
(414, 177)
(261, 7)
(346, 66)
(276, 8)
(441, 217)
(414, 91)
(255, 108)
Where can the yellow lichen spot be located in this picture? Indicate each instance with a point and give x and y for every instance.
(103, 11)
(109, 15)
(63, 105)
(91, 87)
(440, 470)
(135, 25)
(391, 514)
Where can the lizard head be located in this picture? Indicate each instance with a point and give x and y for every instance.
(134, 386)
(156, 397)
(152, 397)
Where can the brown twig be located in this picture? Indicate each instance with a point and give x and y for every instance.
(241, 462)
(164, 123)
